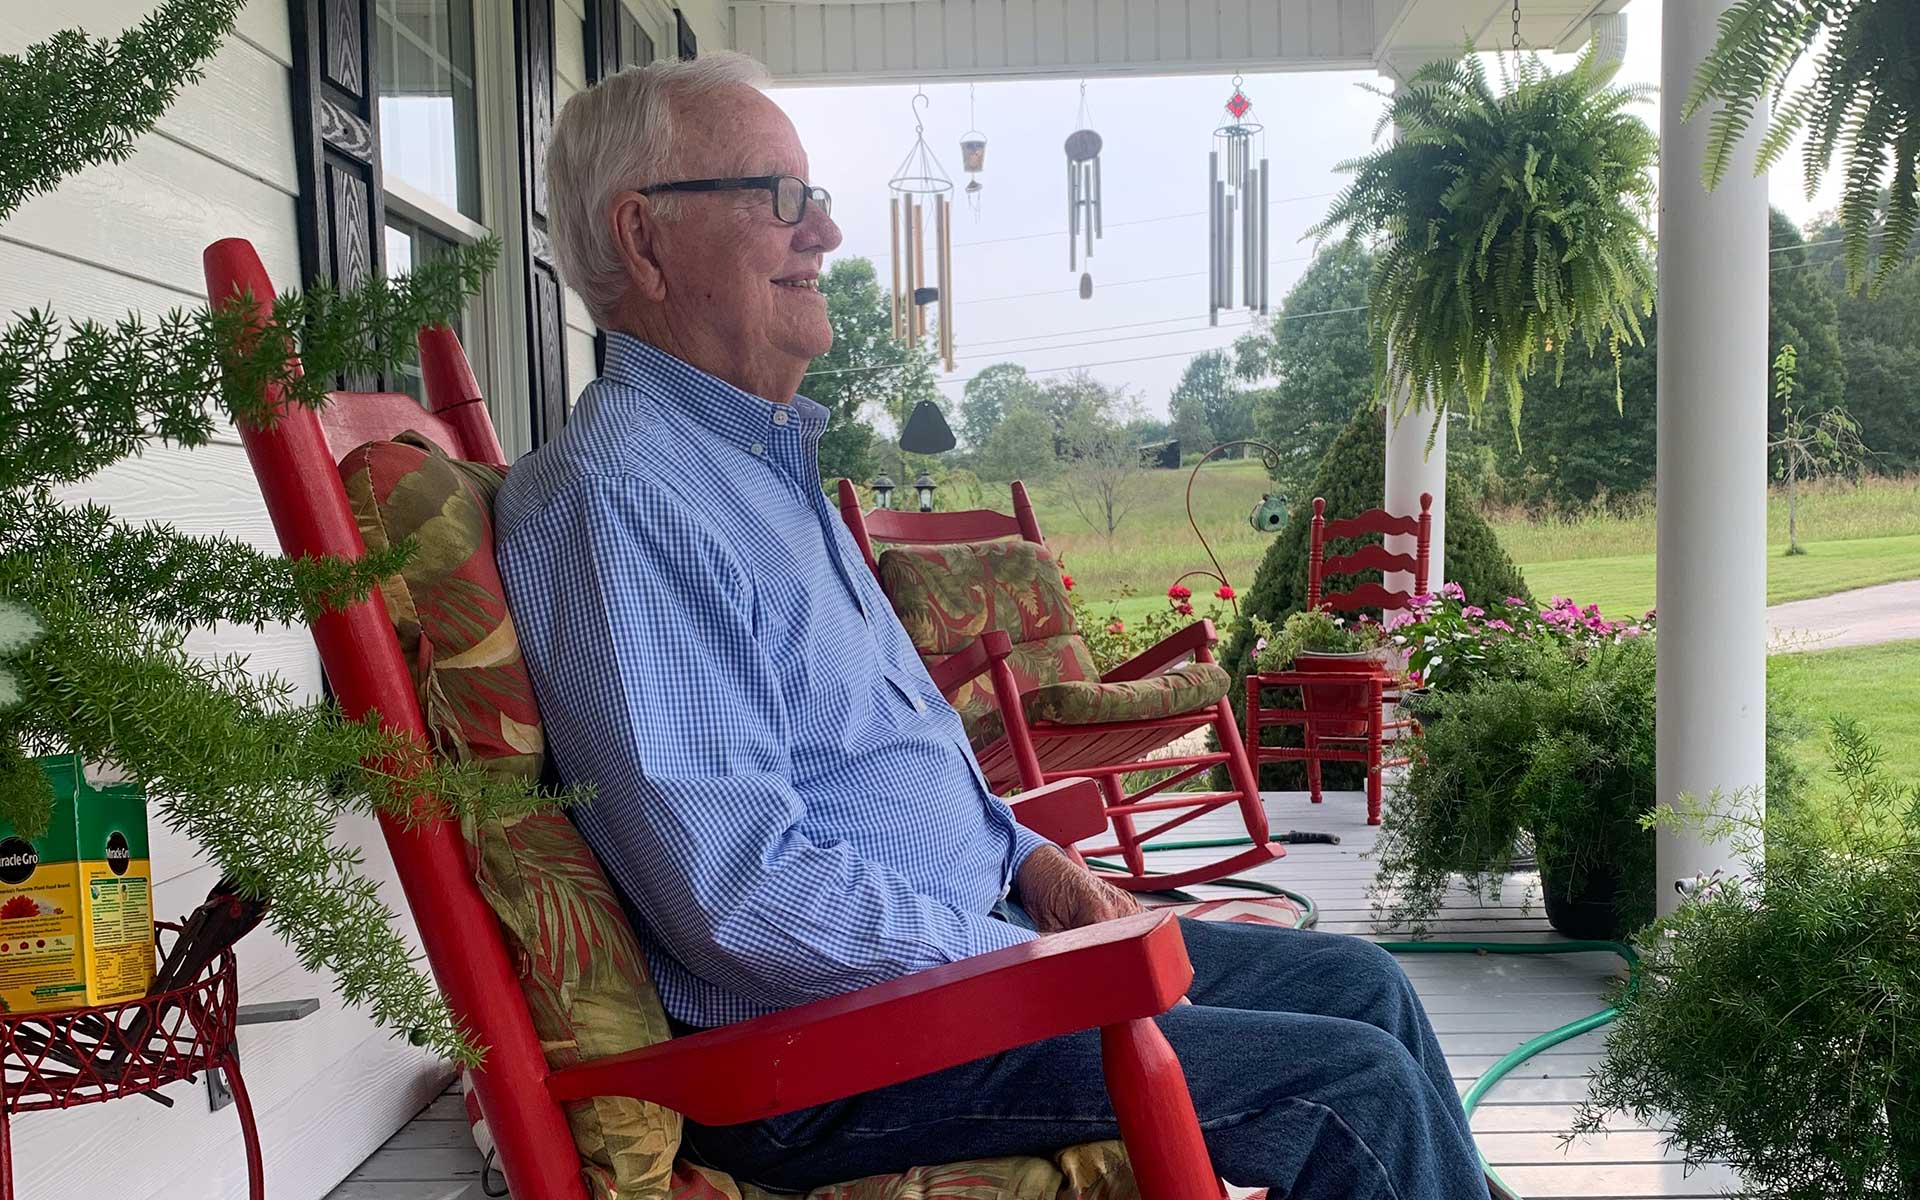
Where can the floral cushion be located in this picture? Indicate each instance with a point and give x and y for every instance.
(447, 603)
(1182, 689)
(583, 973)
(947, 596)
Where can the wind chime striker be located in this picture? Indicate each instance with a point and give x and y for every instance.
(1083, 193)
(921, 181)
(973, 156)
(1240, 195)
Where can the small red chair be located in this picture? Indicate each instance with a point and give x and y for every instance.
(1342, 711)
(1016, 747)
(1114, 977)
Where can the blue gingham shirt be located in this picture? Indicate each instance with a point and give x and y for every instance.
(786, 803)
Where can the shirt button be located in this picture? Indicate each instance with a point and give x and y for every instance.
(780, 416)
(919, 705)
(757, 448)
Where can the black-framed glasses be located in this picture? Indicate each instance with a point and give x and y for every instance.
(791, 194)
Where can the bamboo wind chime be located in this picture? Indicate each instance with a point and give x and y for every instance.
(920, 179)
(1241, 196)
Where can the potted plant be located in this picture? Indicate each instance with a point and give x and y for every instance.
(1772, 1025)
(1509, 224)
(1316, 642)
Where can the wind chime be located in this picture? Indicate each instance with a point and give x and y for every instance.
(973, 156)
(1240, 196)
(1083, 193)
(920, 181)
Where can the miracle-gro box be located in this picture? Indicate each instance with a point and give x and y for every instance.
(76, 903)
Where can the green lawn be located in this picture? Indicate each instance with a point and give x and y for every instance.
(1878, 686)
(1623, 586)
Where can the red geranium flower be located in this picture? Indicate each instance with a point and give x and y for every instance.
(1068, 580)
(1117, 627)
(1180, 592)
(1225, 592)
(1183, 608)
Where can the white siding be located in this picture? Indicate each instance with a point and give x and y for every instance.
(868, 42)
(113, 239)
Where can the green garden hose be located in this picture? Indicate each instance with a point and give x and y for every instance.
(1519, 1054)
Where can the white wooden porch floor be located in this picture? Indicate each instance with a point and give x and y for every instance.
(1481, 1006)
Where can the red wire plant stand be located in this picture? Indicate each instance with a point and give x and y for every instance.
(75, 1056)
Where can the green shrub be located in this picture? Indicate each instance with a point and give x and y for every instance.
(1773, 1025)
(1352, 479)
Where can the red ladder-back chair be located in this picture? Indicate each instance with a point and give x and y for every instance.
(1113, 977)
(1033, 753)
(1342, 713)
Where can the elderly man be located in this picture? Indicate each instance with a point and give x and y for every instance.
(785, 801)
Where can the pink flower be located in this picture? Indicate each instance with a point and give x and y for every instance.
(1260, 646)
(1502, 626)
(1631, 631)
(1179, 592)
(1421, 602)
(1591, 610)
(1473, 610)
(1067, 580)
(1515, 602)
(1414, 678)
(1648, 619)
(1453, 591)
(1225, 591)
(1396, 620)
(1118, 627)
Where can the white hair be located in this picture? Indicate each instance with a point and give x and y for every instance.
(617, 136)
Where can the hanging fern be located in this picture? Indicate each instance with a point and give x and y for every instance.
(1509, 224)
(1863, 99)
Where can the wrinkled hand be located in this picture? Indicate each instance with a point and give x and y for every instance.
(1060, 894)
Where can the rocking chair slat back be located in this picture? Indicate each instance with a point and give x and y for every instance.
(1368, 558)
(937, 528)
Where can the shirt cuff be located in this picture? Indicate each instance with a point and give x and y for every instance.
(1025, 842)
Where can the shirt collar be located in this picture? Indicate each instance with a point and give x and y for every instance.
(741, 418)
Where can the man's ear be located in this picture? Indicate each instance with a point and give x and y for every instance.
(635, 228)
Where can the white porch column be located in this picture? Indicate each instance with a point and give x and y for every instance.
(1712, 471)
(1412, 471)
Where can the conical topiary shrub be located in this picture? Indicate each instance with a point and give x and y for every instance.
(1352, 478)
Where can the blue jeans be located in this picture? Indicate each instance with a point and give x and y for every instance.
(1311, 1062)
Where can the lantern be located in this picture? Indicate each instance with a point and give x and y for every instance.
(882, 486)
(1241, 195)
(923, 487)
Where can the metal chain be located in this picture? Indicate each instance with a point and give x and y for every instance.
(1516, 26)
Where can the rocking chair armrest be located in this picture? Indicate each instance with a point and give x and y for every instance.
(972, 662)
(1064, 983)
(1064, 811)
(1169, 650)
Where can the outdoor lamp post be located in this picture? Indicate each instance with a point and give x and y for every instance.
(924, 487)
(882, 486)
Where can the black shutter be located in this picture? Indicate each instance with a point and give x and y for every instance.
(336, 120)
(689, 45)
(603, 39)
(546, 342)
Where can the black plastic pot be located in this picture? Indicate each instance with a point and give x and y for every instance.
(1592, 912)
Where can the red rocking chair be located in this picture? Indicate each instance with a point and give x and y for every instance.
(1113, 977)
(1342, 713)
(1043, 712)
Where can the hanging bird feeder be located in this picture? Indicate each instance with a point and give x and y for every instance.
(1083, 193)
(973, 156)
(1238, 196)
(921, 181)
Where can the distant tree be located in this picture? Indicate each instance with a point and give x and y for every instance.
(1809, 444)
(865, 370)
(1021, 446)
(989, 396)
(1880, 342)
(1315, 358)
(1146, 431)
(1803, 312)
(1210, 404)
(1103, 478)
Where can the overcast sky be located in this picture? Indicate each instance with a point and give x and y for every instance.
(1016, 298)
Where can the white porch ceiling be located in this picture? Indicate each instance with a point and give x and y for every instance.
(890, 41)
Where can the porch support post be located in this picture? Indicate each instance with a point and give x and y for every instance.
(1411, 470)
(1712, 470)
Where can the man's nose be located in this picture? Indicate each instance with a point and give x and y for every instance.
(818, 232)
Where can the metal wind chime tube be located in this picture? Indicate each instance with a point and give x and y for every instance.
(1084, 216)
(1239, 191)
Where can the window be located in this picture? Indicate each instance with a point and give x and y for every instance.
(429, 126)
(408, 246)
(636, 45)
